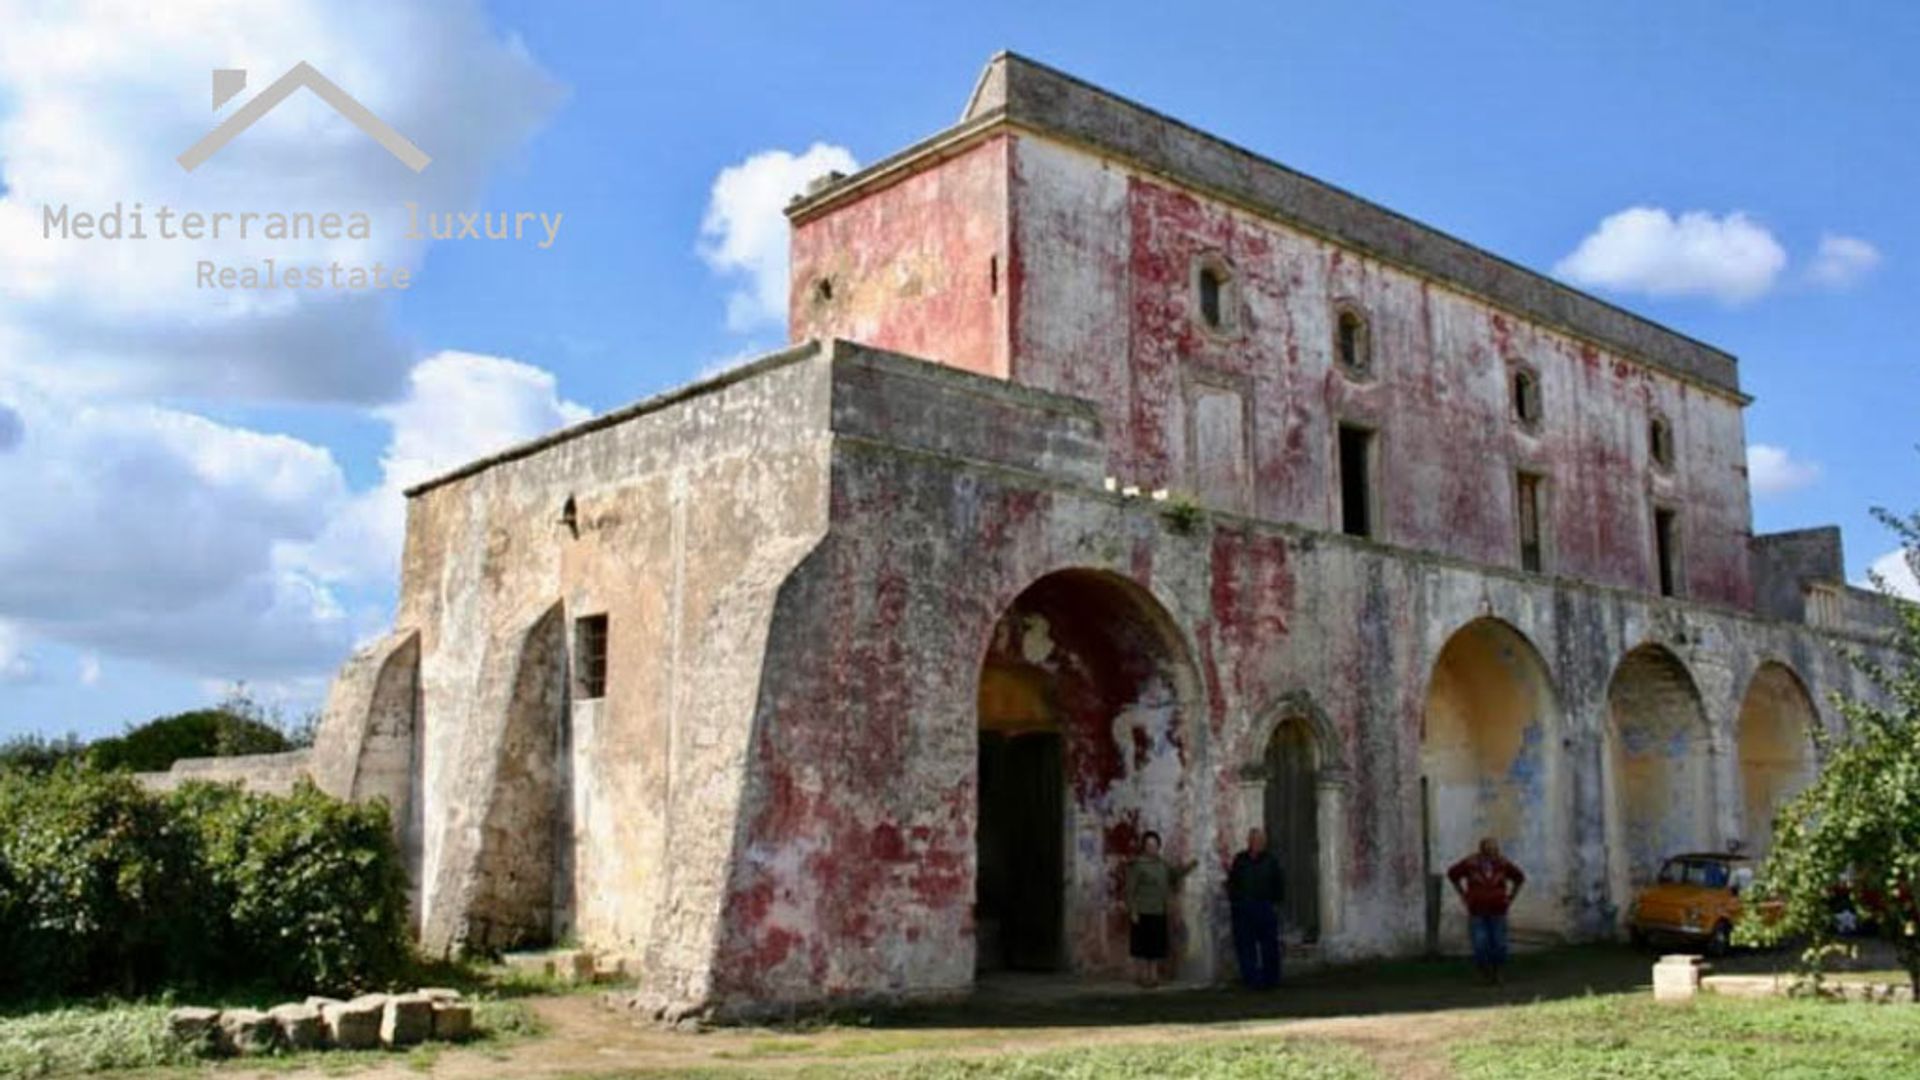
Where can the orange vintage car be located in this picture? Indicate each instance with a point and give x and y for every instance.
(1696, 899)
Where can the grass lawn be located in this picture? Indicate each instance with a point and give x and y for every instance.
(1631, 1036)
(109, 1036)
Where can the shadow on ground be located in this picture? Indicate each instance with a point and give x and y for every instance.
(1398, 986)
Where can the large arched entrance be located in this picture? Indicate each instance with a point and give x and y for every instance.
(1082, 750)
(1492, 766)
(1775, 739)
(1660, 768)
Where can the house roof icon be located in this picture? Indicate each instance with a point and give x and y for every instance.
(228, 82)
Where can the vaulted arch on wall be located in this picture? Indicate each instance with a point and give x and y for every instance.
(1294, 782)
(1088, 697)
(1659, 767)
(1493, 764)
(1774, 741)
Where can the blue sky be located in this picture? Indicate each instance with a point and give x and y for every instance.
(1521, 128)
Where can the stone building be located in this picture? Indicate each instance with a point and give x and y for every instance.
(1165, 488)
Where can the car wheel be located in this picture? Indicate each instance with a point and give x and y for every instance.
(1720, 942)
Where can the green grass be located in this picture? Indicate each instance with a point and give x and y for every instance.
(107, 1036)
(1628, 1037)
(86, 1038)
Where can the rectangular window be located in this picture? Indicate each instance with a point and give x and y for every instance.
(590, 656)
(1666, 550)
(1532, 556)
(1356, 480)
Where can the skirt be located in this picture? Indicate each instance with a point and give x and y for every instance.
(1147, 940)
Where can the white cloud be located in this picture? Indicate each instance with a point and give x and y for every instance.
(1773, 470)
(744, 233)
(1647, 250)
(1897, 569)
(155, 533)
(459, 407)
(16, 666)
(1842, 261)
(90, 670)
(100, 97)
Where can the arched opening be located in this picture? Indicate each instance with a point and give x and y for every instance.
(1660, 768)
(1492, 766)
(1775, 738)
(1082, 751)
(1292, 821)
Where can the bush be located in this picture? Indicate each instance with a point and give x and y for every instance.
(99, 891)
(305, 887)
(39, 754)
(157, 744)
(107, 887)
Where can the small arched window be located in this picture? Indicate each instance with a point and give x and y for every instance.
(1216, 303)
(1352, 345)
(1527, 406)
(1660, 441)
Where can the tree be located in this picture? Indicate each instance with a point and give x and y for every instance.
(1859, 822)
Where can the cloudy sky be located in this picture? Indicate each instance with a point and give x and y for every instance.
(199, 486)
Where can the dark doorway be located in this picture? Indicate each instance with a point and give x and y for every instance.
(1018, 906)
(1293, 824)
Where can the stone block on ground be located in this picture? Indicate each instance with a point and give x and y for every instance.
(300, 1026)
(408, 1020)
(452, 1021)
(438, 993)
(319, 1002)
(195, 1028)
(354, 1025)
(536, 964)
(1676, 978)
(573, 965)
(248, 1031)
(614, 967)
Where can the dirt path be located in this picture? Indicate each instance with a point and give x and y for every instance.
(1401, 1015)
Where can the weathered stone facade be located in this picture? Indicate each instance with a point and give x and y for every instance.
(903, 652)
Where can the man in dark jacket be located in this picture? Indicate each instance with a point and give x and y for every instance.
(1255, 889)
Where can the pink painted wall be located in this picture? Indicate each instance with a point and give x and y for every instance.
(918, 266)
(1105, 310)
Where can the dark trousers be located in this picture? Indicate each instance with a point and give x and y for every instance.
(1256, 940)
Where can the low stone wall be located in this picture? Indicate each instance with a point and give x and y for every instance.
(271, 774)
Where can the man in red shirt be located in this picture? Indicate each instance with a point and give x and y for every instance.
(1487, 884)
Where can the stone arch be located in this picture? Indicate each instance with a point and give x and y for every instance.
(1659, 767)
(1294, 779)
(1773, 736)
(1493, 764)
(1088, 700)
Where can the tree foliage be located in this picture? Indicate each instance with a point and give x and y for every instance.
(1859, 821)
(105, 886)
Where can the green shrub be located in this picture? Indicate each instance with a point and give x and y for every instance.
(107, 887)
(99, 889)
(154, 746)
(304, 888)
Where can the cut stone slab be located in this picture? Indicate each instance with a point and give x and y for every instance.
(438, 993)
(249, 1031)
(573, 965)
(300, 1026)
(452, 1021)
(536, 964)
(195, 1028)
(354, 1025)
(408, 1020)
(1676, 978)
